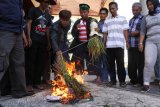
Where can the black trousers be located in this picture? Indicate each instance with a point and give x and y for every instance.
(79, 54)
(135, 65)
(36, 63)
(116, 54)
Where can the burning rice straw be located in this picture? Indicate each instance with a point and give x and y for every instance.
(72, 88)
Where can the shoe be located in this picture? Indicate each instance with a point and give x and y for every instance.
(30, 89)
(23, 95)
(138, 85)
(122, 84)
(48, 82)
(5, 93)
(145, 88)
(40, 87)
(110, 84)
(130, 83)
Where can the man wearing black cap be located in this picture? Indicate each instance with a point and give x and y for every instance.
(80, 32)
(38, 24)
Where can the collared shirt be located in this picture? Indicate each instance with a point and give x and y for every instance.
(115, 27)
(134, 25)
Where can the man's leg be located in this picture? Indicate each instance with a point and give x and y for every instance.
(111, 61)
(17, 65)
(132, 66)
(5, 84)
(140, 64)
(120, 65)
(7, 41)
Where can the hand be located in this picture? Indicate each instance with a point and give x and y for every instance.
(127, 45)
(140, 47)
(132, 33)
(49, 46)
(25, 42)
(78, 26)
(97, 29)
(29, 41)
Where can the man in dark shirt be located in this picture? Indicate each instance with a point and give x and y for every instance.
(59, 32)
(135, 58)
(38, 24)
(11, 47)
(80, 32)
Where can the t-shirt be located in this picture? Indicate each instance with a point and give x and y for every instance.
(40, 23)
(11, 15)
(82, 31)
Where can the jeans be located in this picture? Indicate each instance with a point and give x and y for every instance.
(104, 70)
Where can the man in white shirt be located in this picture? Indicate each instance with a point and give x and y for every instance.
(115, 31)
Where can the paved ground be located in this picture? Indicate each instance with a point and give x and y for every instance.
(103, 97)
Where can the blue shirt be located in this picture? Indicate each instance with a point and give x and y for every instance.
(100, 25)
(11, 15)
(134, 25)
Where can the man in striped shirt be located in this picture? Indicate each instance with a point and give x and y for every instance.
(80, 32)
(115, 31)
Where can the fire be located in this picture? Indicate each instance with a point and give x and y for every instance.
(60, 88)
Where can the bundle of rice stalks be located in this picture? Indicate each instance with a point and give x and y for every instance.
(78, 89)
(96, 48)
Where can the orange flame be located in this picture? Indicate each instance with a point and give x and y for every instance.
(59, 86)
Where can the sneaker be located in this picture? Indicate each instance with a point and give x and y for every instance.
(5, 93)
(110, 84)
(40, 87)
(145, 88)
(122, 84)
(23, 95)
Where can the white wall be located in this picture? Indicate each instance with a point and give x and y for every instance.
(125, 7)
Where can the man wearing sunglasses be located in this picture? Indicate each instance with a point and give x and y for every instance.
(38, 24)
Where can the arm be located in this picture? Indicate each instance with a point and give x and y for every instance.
(141, 39)
(125, 31)
(126, 38)
(30, 17)
(54, 35)
(75, 29)
(142, 34)
(24, 39)
(48, 38)
(105, 33)
(105, 38)
(29, 23)
(137, 29)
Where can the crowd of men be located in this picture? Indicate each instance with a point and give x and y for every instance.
(25, 64)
